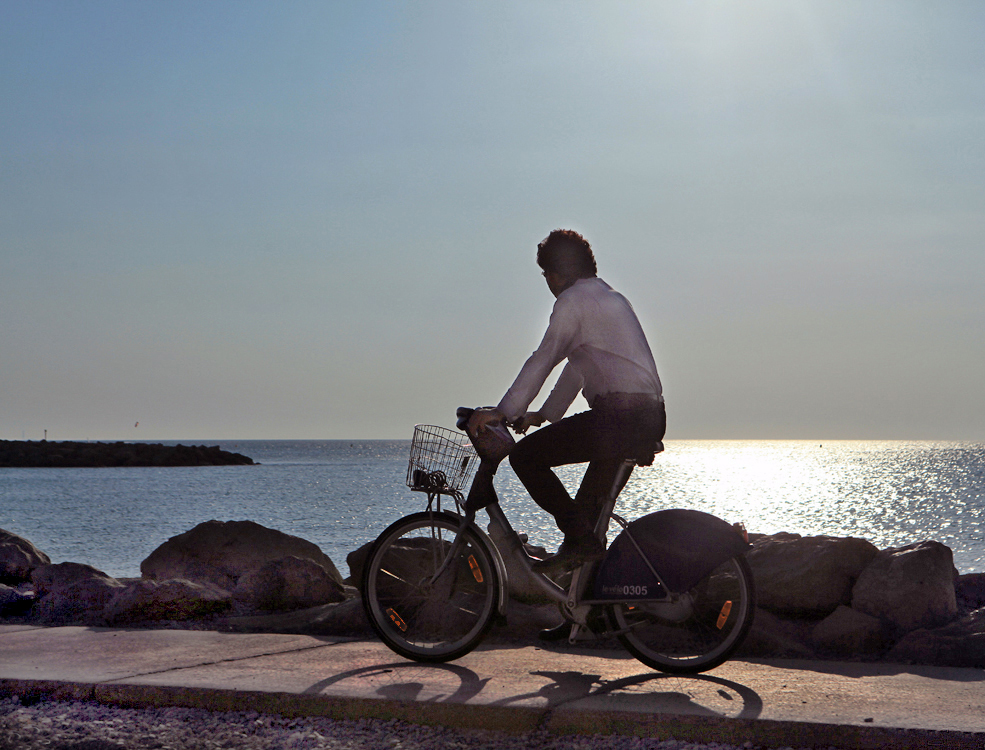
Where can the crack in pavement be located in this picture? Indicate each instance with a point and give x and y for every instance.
(216, 662)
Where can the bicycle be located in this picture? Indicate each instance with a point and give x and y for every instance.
(674, 587)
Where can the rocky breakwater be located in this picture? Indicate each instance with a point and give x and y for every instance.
(818, 597)
(217, 575)
(42, 454)
(832, 597)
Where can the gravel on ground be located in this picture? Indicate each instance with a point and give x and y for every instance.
(56, 725)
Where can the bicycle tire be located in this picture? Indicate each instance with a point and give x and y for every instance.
(698, 634)
(420, 618)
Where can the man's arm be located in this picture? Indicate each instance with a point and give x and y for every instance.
(482, 419)
(556, 345)
(565, 391)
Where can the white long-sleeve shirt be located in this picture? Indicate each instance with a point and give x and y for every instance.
(595, 329)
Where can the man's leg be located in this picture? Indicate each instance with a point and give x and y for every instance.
(568, 441)
(595, 487)
(572, 440)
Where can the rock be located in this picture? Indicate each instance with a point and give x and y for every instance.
(909, 587)
(176, 600)
(847, 632)
(18, 557)
(72, 592)
(345, 618)
(772, 636)
(14, 603)
(286, 584)
(220, 552)
(969, 592)
(356, 560)
(959, 644)
(807, 576)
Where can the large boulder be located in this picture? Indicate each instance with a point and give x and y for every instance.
(847, 632)
(14, 602)
(807, 576)
(286, 584)
(144, 600)
(342, 618)
(18, 557)
(356, 560)
(909, 587)
(959, 644)
(220, 552)
(969, 592)
(72, 593)
(777, 637)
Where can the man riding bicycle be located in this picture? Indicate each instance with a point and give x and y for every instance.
(609, 361)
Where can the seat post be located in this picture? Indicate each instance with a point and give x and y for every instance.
(622, 476)
(582, 575)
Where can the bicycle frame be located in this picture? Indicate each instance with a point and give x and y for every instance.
(571, 600)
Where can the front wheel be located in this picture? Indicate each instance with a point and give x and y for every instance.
(430, 589)
(697, 632)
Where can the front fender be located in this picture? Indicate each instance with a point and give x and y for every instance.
(493, 551)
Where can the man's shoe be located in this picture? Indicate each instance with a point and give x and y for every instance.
(555, 634)
(572, 553)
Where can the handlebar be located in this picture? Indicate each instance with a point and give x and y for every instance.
(463, 413)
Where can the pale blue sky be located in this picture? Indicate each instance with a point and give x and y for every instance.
(318, 220)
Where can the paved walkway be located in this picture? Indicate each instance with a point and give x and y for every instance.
(498, 687)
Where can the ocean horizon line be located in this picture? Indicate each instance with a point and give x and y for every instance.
(215, 441)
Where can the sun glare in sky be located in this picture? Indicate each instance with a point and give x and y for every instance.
(318, 220)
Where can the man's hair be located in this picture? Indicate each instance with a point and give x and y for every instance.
(566, 252)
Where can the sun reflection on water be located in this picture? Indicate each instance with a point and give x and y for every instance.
(892, 493)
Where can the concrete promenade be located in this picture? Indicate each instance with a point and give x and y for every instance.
(503, 687)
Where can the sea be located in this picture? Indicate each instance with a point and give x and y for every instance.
(340, 494)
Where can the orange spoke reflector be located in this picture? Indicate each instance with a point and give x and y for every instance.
(476, 573)
(723, 615)
(397, 619)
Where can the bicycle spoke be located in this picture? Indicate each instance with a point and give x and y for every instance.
(712, 621)
(417, 611)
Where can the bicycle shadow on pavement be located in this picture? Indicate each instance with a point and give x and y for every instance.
(437, 683)
(652, 692)
(692, 695)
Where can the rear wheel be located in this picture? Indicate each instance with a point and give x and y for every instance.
(417, 612)
(697, 632)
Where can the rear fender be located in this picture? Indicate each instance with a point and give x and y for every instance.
(683, 546)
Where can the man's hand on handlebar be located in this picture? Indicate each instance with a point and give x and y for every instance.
(528, 420)
(483, 418)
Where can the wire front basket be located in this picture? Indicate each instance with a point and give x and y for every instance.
(441, 460)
